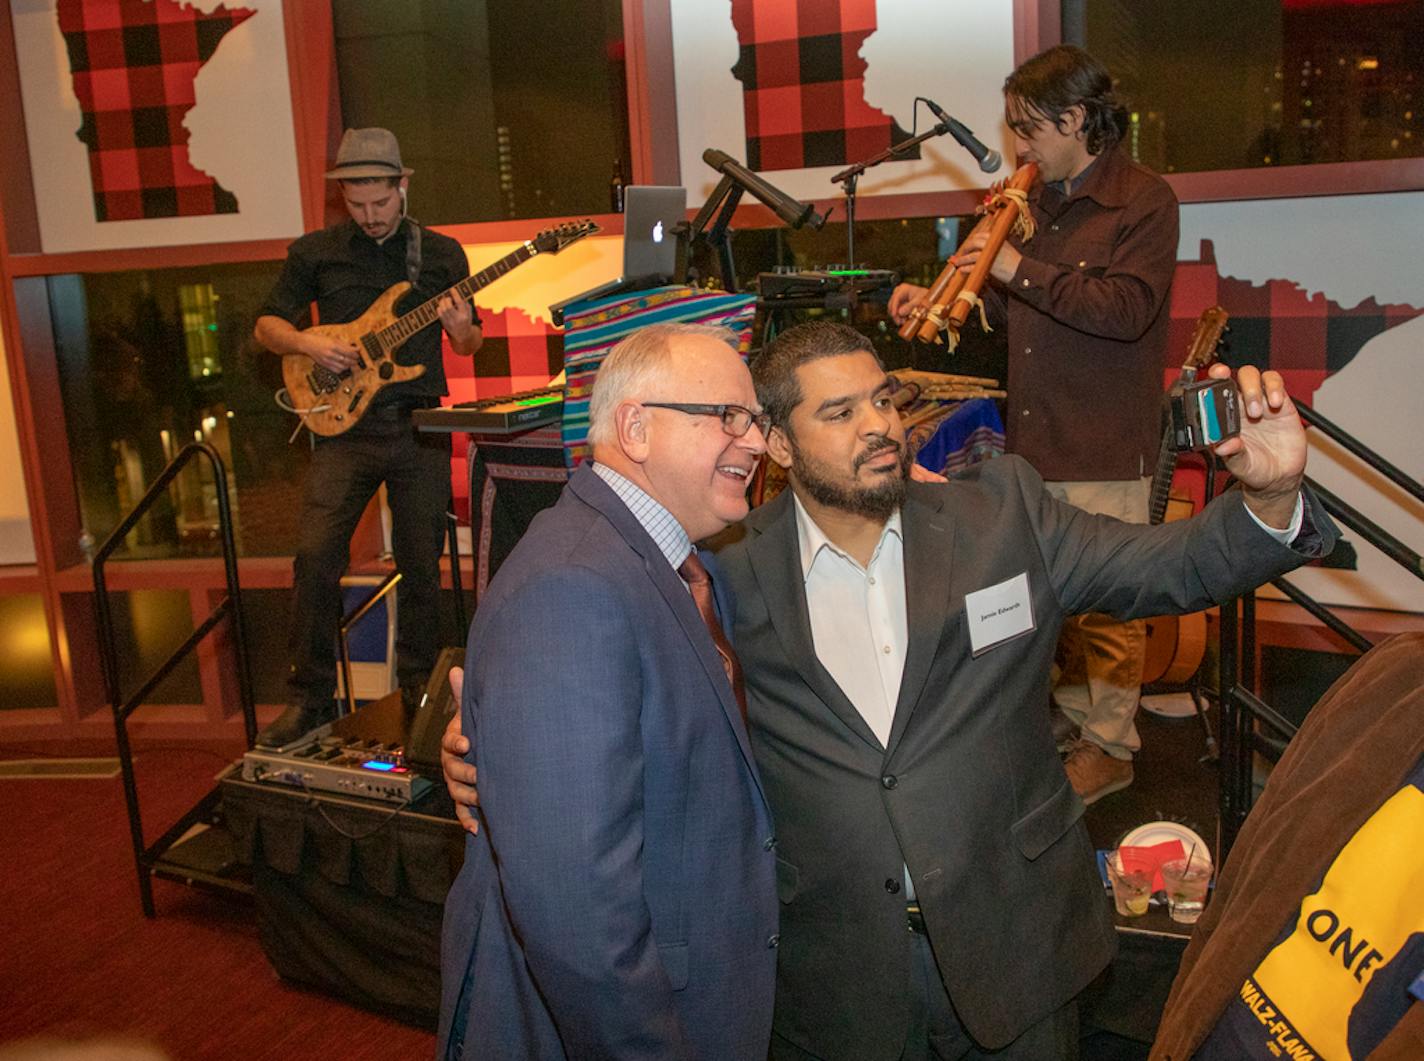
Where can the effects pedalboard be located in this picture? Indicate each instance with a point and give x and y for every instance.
(344, 765)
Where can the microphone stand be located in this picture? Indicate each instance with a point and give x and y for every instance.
(850, 176)
(691, 235)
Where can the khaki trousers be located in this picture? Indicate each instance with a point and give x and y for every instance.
(1101, 658)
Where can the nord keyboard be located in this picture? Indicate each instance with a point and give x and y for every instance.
(505, 415)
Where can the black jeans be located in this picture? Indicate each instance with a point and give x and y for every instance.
(345, 472)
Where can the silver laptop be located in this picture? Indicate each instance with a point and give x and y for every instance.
(649, 245)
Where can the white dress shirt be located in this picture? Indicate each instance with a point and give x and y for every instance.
(858, 621)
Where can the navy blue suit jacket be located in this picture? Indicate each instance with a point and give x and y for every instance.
(619, 899)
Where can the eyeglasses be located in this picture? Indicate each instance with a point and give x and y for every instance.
(736, 420)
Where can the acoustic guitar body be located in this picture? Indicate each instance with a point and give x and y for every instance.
(330, 403)
(1176, 645)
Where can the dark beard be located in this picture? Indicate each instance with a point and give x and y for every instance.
(875, 502)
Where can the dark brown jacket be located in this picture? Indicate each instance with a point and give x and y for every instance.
(1354, 751)
(1087, 324)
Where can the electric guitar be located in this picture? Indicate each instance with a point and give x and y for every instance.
(1176, 643)
(332, 402)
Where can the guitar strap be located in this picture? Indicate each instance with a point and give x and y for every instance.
(412, 251)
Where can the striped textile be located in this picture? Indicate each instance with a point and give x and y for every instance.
(592, 329)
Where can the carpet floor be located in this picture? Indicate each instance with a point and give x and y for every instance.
(79, 960)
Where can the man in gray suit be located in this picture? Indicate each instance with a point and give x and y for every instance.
(897, 639)
(619, 900)
(938, 893)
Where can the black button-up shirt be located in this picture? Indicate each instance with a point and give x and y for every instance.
(343, 271)
(1087, 315)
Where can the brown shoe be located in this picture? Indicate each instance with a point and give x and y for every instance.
(1094, 773)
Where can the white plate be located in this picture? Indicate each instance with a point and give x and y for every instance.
(1169, 705)
(1154, 833)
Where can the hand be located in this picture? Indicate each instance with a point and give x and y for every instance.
(903, 299)
(334, 355)
(455, 316)
(459, 775)
(1006, 262)
(1268, 457)
(920, 474)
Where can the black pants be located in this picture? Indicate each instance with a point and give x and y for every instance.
(935, 1033)
(345, 472)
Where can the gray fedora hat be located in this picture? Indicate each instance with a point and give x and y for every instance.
(368, 153)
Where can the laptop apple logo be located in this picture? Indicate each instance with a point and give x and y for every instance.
(658, 232)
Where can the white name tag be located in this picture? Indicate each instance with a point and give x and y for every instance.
(999, 613)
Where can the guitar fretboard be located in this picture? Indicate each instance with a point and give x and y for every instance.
(1166, 459)
(425, 314)
(1162, 478)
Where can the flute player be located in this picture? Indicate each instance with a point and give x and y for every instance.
(1085, 305)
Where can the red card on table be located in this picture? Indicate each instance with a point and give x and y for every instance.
(1149, 859)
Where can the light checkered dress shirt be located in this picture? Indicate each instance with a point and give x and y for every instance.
(666, 531)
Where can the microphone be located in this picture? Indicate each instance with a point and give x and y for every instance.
(989, 160)
(793, 211)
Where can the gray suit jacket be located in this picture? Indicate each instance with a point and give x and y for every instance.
(969, 793)
(619, 900)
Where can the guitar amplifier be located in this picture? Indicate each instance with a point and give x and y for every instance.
(437, 707)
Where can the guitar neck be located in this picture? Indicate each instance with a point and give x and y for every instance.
(1162, 479)
(1166, 459)
(425, 314)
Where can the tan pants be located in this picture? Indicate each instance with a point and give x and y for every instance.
(1101, 658)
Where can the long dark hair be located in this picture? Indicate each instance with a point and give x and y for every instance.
(1060, 78)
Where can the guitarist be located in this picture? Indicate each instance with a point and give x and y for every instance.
(343, 269)
(1085, 304)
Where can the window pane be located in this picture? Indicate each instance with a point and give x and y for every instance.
(151, 360)
(502, 110)
(1236, 84)
(26, 665)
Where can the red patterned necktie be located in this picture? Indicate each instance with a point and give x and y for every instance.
(700, 583)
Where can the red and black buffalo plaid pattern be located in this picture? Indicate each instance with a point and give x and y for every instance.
(133, 64)
(803, 83)
(518, 353)
(1278, 325)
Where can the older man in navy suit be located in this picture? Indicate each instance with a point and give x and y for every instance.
(619, 899)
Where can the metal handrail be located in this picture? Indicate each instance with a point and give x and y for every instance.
(1360, 450)
(1240, 707)
(1347, 632)
(230, 608)
(1369, 530)
(343, 629)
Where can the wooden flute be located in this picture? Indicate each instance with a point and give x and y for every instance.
(955, 291)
